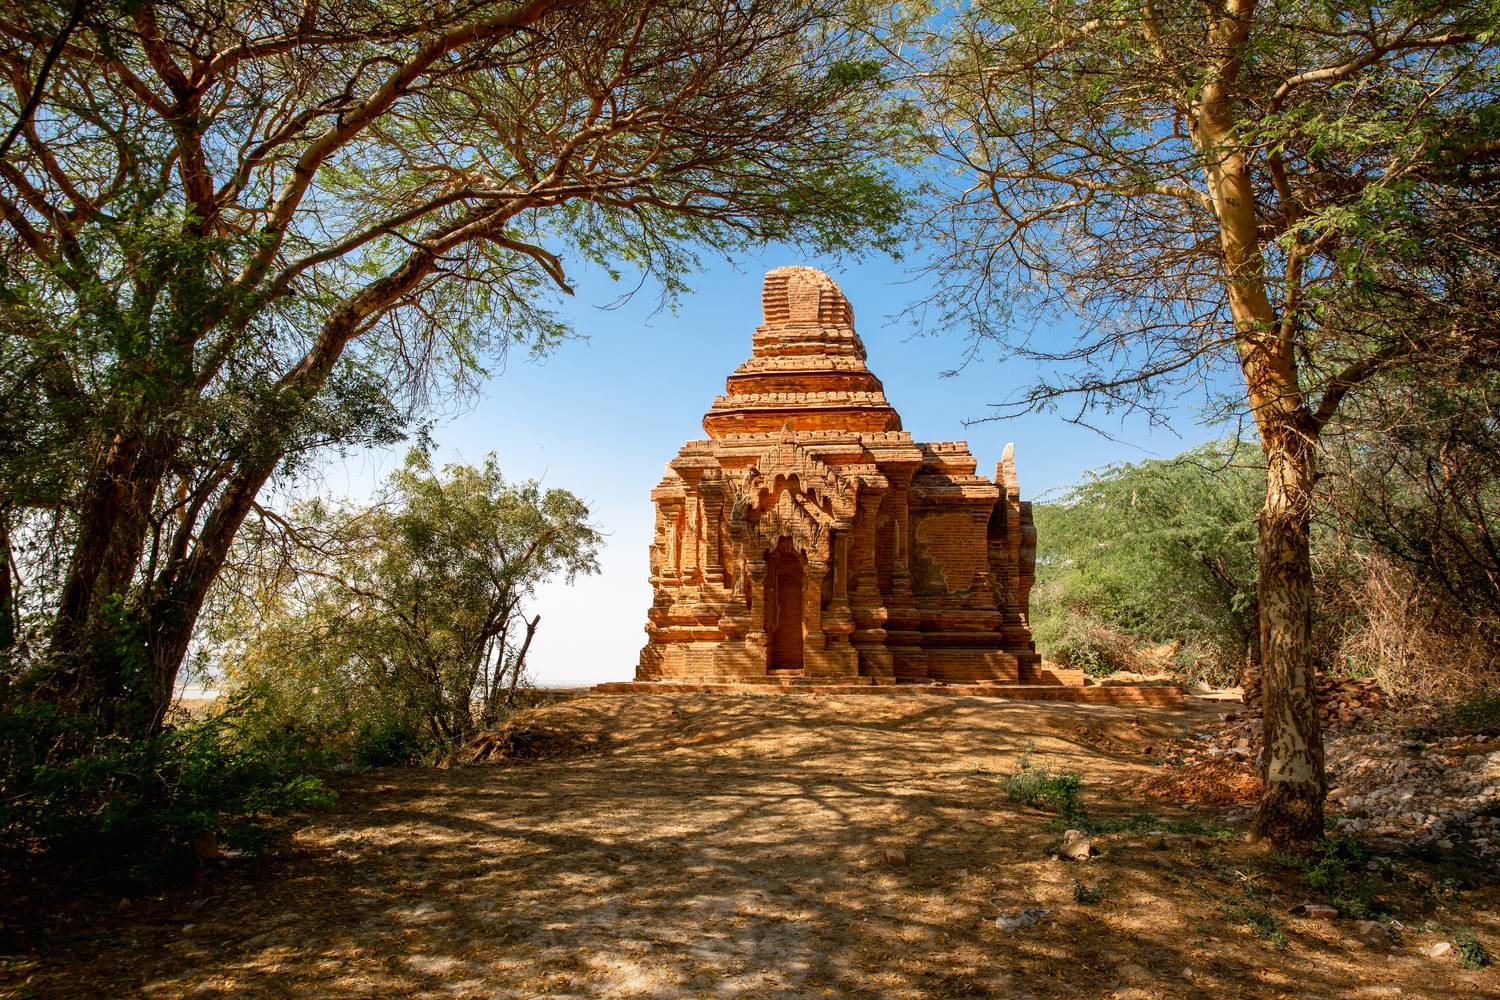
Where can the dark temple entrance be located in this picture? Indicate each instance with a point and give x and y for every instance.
(784, 607)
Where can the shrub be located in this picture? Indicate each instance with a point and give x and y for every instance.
(1337, 869)
(1478, 714)
(1261, 921)
(1150, 553)
(131, 811)
(1087, 895)
(385, 739)
(1096, 650)
(1383, 619)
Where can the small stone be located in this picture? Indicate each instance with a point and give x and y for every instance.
(1019, 920)
(1373, 934)
(1439, 950)
(894, 856)
(1075, 846)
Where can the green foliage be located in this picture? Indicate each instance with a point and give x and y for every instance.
(184, 316)
(1087, 895)
(1471, 953)
(1152, 552)
(1261, 921)
(1042, 788)
(385, 738)
(1477, 714)
(396, 629)
(1338, 869)
(130, 810)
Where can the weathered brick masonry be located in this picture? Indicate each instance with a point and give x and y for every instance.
(809, 539)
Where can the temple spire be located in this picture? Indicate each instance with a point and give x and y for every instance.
(806, 369)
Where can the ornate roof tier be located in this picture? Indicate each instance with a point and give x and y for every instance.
(807, 368)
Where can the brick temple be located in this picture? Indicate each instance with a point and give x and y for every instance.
(810, 539)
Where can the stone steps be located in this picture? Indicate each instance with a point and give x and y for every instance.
(1155, 696)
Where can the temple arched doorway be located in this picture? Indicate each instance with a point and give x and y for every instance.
(784, 574)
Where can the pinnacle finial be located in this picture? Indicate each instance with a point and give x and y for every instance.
(803, 295)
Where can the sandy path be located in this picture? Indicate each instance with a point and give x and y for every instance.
(724, 846)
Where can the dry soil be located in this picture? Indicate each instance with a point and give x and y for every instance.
(762, 847)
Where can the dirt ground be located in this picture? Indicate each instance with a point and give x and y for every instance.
(763, 847)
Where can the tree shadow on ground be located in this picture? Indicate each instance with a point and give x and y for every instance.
(737, 847)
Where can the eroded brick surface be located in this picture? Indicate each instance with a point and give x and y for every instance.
(810, 537)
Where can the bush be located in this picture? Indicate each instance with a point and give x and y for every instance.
(385, 739)
(1148, 554)
(1096, 650)
(1477, 715)
(1384, 619)
(132, 811)
(1087, 895)
(1471, 953)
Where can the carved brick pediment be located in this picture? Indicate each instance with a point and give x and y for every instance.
(789, 492)
(787, 461)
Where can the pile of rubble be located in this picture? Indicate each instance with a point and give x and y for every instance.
(1342, 701)
(1444, 791)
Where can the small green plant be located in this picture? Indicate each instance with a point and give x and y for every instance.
(1042, 788)
(1261, 921)
(1087, 895)
(1471, 954)
(1478, 714)
(1338, 870)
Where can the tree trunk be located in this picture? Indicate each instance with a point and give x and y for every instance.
(515, 673)
(8, 615)
(1291, 806)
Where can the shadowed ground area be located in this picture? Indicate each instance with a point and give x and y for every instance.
(765, 847)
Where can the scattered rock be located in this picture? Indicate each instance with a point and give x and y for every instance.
(1442, 791)
(1317, 911)
(1075, 846)
(894, 856)
(1373, 934)
(1440, 950)
(1019, 920)
(1342, 701)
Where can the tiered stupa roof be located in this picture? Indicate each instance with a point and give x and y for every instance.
(807, 368)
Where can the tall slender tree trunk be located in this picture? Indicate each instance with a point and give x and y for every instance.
(8, 615)
(520, 666)
(1291, 806)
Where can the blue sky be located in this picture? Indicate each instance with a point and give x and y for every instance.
(603, 414)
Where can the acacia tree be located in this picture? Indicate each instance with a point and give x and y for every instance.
(235, 232)
(1305, 194)
(418, 599)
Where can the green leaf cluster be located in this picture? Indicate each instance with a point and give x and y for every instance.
(395, 629)
(1158, 551)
